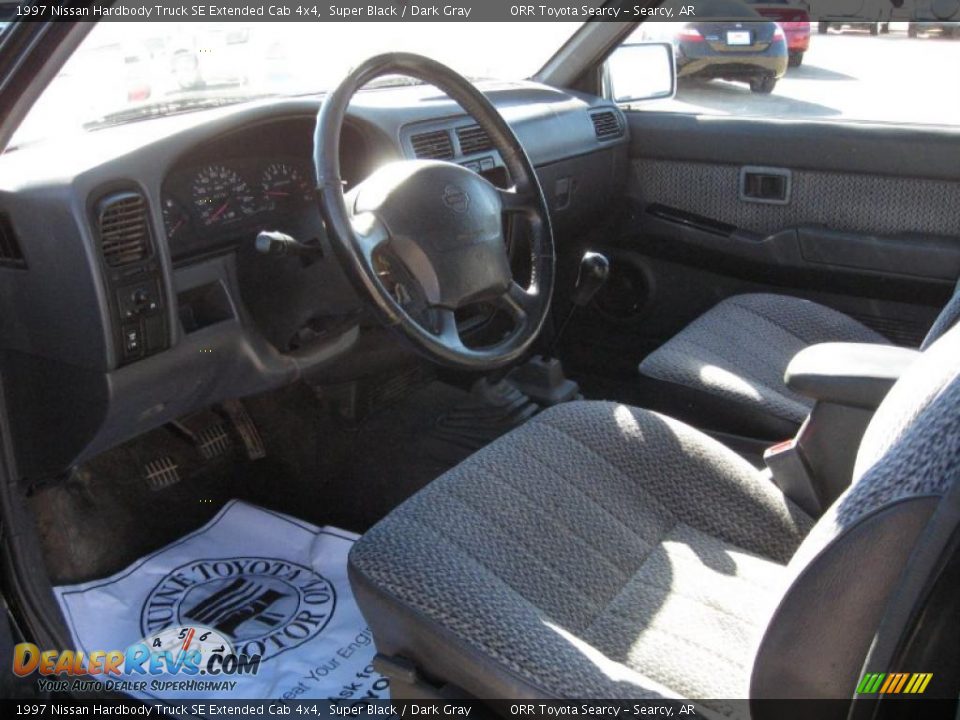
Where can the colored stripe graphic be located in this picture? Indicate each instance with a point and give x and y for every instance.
(891, 682)
(918, 683)
(871, 683)
(894, 683)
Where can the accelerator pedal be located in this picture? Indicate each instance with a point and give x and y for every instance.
(246, 429)
(161, 473)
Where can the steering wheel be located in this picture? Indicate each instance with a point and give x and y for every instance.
(442, 222)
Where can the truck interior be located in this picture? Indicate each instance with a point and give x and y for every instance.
(620, 403)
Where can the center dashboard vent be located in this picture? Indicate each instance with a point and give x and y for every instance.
(124, 228)
(11, 256)
(473, 139)
(606, 125)
(435, 145)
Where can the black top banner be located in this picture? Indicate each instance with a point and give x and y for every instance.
(852, 11)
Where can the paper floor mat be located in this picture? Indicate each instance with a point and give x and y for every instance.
(252, 581)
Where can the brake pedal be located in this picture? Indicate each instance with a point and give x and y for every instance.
(213, 441)
(207, 432)
(246, 429)
(161, 473)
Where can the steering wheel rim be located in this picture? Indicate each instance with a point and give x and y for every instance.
(363, 223)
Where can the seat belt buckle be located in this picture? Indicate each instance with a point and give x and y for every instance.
(791, 473)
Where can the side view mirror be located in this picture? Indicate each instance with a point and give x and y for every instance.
(642, 71)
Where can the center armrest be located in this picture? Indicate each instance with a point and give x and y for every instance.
(853, 374)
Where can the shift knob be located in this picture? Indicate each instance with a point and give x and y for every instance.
(594, 271)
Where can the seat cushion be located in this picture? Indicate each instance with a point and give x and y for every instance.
(571, 557)
(725, 370)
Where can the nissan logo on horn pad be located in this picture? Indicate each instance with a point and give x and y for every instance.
(456, 199)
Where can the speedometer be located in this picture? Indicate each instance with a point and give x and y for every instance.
(221, 195)
(284, 184)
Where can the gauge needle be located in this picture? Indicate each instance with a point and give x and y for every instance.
(186, 641)
(220, 210)
(177, 226)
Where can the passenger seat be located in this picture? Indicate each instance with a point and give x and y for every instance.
(725, 370)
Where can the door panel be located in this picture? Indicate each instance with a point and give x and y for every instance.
(869, 224)
(853, 202)
(860, 148)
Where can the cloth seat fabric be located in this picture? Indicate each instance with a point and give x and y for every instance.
(728, 365)
(602, 551)
(605, 538)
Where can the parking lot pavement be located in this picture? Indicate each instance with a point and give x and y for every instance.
(853, 76)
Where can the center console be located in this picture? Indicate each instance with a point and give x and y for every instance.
(848, 381)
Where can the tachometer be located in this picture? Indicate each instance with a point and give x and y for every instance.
(284, 184)
(221, 195)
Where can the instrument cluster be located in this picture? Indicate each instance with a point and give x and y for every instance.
(207, 205)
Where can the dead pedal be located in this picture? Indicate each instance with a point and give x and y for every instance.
(246, 429)
(161, 473)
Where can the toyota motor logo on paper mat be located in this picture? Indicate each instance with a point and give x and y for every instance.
(263, 605)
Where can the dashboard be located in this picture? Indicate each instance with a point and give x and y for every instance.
(136, 294)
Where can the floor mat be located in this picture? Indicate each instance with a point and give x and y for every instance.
(194, 616)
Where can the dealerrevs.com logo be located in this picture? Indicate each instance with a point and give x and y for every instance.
(174, 652)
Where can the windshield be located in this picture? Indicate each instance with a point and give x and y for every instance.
(125, 71)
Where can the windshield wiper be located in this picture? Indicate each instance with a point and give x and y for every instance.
(165, 108)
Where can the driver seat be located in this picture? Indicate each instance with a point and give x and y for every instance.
(604, 551)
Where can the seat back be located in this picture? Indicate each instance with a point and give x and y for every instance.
(842, 576)
(947, 318)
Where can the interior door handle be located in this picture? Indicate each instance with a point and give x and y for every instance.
(769, 185)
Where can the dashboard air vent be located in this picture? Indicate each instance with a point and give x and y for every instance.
(124, 228)
(435, 145)
(473, 139)
(607, 125)
(11, 256)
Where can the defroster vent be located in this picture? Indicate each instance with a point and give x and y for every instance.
(607, 125)
(435, 145)
(124, 228)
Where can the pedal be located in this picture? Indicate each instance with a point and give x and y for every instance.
(208, 433)
(161, 473)
(213, 442)
(246, 429)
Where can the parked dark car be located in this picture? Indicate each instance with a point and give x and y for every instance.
(738, 44)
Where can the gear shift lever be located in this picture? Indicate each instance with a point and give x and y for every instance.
(594, 271)
(593, 274)
(541, 378)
